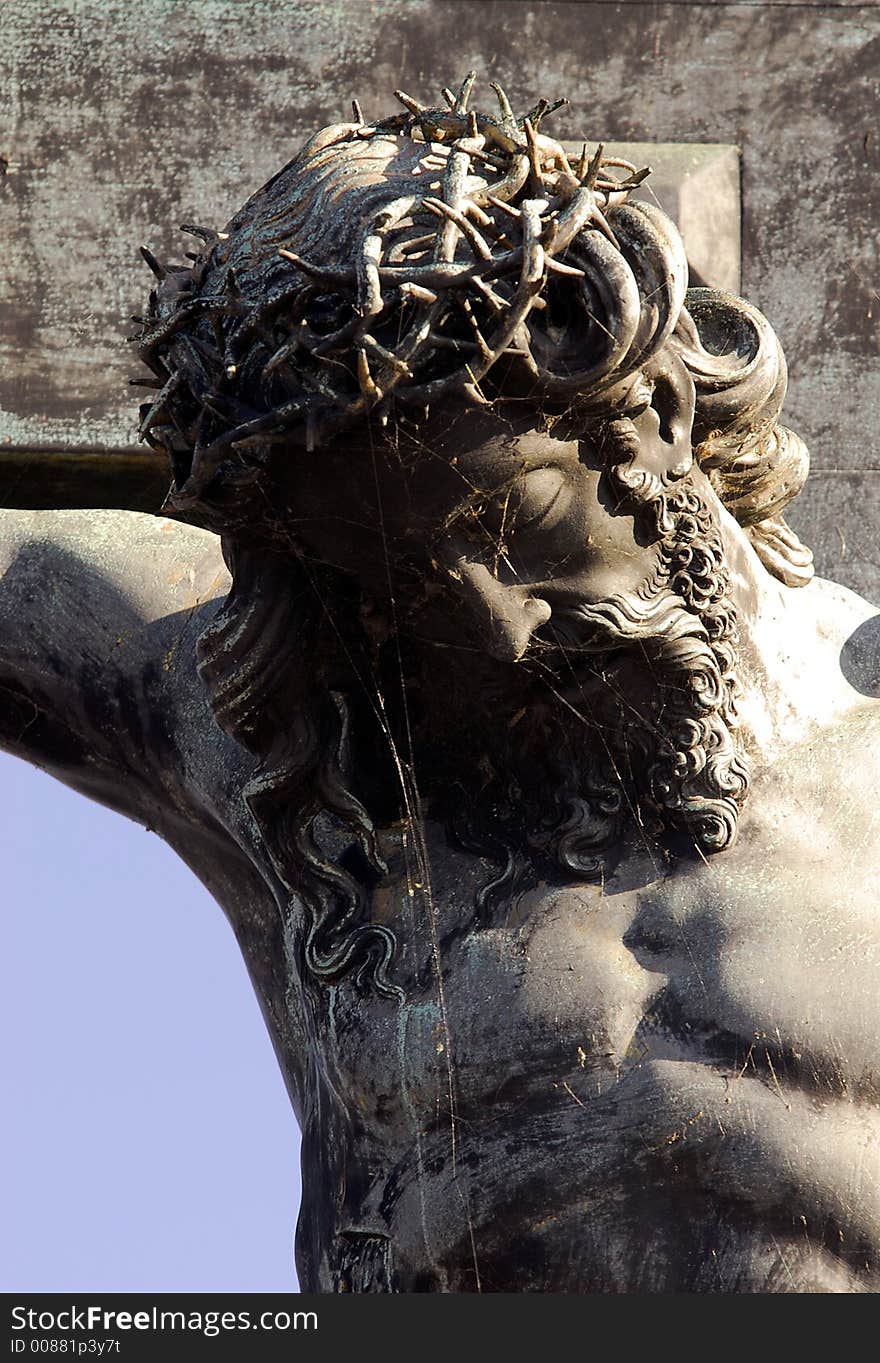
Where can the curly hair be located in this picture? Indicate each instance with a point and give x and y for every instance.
(439, 255)
(443, 254)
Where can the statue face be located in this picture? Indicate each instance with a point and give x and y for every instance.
(536, 539)
(492, 536)
(489, 543)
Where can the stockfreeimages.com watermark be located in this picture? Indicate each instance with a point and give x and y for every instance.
(94, 1319)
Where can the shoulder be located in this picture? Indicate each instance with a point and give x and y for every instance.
(820, 796)
(100, 613)
(826, 775)
(851, 626)
(144, 565)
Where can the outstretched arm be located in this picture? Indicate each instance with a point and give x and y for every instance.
(99, 612)
(99, 616)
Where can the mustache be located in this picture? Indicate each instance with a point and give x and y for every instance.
(586, 629)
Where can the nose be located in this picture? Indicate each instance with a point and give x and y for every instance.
(506, 615)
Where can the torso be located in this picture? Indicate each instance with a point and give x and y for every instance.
(667, 1083)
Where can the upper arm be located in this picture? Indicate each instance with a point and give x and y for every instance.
(99, 612)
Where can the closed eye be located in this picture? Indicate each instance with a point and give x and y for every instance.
(542, 497)
(535, 502)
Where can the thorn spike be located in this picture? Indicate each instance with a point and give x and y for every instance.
(158, 270)
(205, 234)
(464, 93)
(593, 168)
(409, 103)
(508, 119)
(543, 109)
(534, 154)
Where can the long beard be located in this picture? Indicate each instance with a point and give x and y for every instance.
(655, 701)
(621, 719)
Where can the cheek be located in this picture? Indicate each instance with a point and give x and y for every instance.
(582, 545)
(599, 575)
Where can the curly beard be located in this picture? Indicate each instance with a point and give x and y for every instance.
(624, 720)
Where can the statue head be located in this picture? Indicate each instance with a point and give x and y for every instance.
(449, 401)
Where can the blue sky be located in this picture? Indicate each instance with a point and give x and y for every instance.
(147, 1144)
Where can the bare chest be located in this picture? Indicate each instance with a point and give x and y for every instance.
(690, 1050)
(763, 961)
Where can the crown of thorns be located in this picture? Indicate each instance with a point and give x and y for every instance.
(510, 253)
